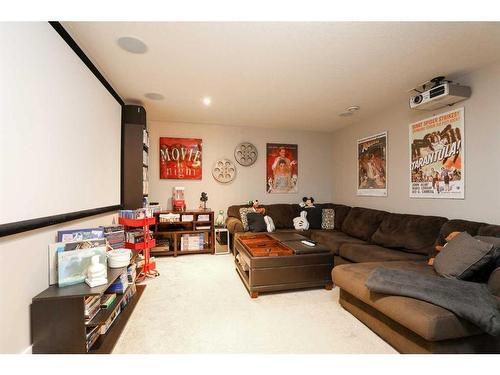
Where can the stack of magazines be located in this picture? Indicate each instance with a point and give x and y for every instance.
(92, 307)
(115, 235)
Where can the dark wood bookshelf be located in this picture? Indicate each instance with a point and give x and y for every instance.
(174, 231)
(58, 319)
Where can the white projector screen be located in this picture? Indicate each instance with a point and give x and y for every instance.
(60, 135)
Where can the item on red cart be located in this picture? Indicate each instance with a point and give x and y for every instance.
(178, 202)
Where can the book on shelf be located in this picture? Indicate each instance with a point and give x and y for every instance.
(109, 322)
(162, 244)
(92, 334)
(203, 217)
(120, 285)
(187, 218)
(131, 273)
(92, 314)
(203, 227)
(140, 213)
(169, 218)
(72, 235)
(107, 300)
(136, 236)
(90, 307)
(191, 242)
(115, 235)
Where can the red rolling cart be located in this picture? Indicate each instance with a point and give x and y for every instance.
(148, 269)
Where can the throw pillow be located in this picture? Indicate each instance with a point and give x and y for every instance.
(463, 256)
(243, 215)
(256, 222)
(328, 218)
(314, 217)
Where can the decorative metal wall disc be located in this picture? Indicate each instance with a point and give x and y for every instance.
(245, 154)
(224, 170)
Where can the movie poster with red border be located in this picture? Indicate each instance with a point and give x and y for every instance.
(372, 165)
(180, 158)
(436, 146)
(282, 168)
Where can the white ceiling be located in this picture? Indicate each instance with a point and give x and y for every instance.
(281, 75)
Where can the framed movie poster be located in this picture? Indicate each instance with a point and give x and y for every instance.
(282, 168)
(180, 158)
(437, 156)
(372, 165)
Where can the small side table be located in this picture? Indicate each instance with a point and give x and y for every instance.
(222, 245)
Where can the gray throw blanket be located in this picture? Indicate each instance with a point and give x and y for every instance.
(468, 300)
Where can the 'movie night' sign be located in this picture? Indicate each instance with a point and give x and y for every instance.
(180, 158)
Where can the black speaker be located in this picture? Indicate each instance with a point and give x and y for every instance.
(134, 114)
(133, 151)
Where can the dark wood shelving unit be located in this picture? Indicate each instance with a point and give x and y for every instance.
(174, 231)
(58, 318)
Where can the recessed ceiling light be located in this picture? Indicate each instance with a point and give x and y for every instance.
(207, 101)
(131, 44)
(352, 108)
(345, 114)
(154, 96)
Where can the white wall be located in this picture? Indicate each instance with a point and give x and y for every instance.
(315, 172)
(482, 142)
(25, 273)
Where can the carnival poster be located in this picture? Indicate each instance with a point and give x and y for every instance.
(437, 156)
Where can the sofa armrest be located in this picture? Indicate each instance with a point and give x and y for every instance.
(234, 225)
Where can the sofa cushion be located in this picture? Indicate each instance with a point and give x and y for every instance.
(494, 282)
(464, 256)
(374, 253)
(234, 211)
(456, 225)
(341, 213)
(244, 211)
(256, 222)
(314, 217)
(489, 230)
(429, 321)
(282, 215)
(412, 233)
(333, 239)
(328, 218)
(362, 222)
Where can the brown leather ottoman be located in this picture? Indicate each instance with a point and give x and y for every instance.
(266, 264)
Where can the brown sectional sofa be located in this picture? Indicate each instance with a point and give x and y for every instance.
(364, 239)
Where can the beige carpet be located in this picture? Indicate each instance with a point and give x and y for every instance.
(199, 305)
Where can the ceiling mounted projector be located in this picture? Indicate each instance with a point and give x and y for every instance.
(443, 93)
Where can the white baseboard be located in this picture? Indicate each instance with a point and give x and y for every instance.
(28, 350)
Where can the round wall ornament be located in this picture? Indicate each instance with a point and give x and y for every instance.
(245, 154)
(224, 170)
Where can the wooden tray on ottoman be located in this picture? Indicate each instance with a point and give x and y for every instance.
(261, 245)
(262, 270)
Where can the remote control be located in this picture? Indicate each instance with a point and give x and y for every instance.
(308, 243)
